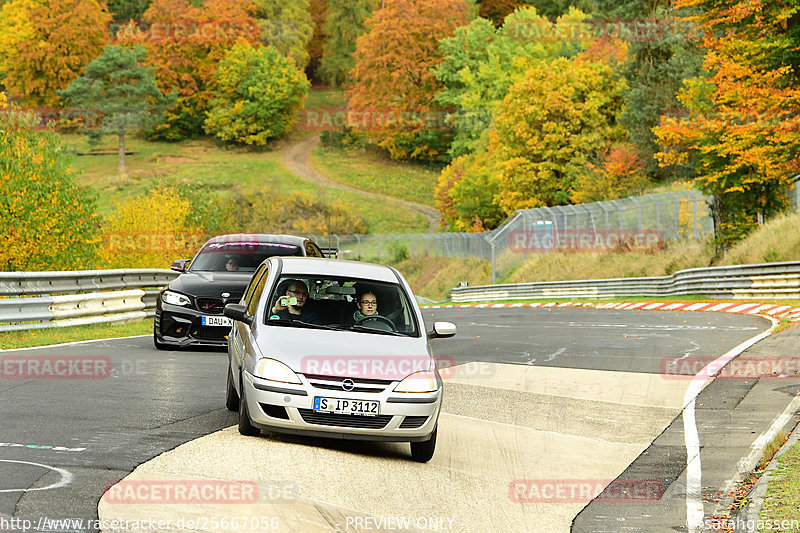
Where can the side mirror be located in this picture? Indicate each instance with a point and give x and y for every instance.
(237, 312)
(442, 330)
(180, 265)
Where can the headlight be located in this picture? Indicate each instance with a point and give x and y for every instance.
(174, 298)
(424, 381)
(275, 371)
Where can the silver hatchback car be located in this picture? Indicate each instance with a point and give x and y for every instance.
(336, 349)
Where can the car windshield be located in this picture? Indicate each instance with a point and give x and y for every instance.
(344, 303)
(239, 256)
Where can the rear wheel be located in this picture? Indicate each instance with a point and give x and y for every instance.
(231, 396)
(245, 426)
(422, 452)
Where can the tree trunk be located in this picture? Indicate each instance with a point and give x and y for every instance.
(121, 167)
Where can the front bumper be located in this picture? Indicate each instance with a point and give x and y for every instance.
(289, 409)
(182, 326)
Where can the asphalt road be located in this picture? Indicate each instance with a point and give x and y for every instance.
(73, 437)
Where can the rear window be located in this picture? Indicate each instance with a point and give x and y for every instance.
(243, 256)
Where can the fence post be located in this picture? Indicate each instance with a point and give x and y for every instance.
(494, 273)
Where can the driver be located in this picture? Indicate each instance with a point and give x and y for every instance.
(299, 290)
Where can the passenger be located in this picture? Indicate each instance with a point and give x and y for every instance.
(367, 305)
(297, 289)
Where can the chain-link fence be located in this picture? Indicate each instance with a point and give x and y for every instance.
(628, 224)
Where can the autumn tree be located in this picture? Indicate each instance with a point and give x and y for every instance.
(120, 93)
(344, 24)
(741, 121)
(319, 12)
(618, 174)
(392, 80)
(47, 221)
(185, 44)
(125, 10)
(480, 64)
(286, 26)
(466, 194)
(16, 27)
(57, 52)
(566, 109)
(257, 96)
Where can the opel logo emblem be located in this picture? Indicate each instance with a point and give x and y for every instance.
(348, 385)
(225, 294)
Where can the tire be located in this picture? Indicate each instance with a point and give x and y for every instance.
(156, 343)
(422, 452)
(246, 427)
(231, 396)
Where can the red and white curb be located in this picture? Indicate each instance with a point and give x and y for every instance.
(774, 310)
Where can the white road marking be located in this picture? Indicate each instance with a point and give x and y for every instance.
(66, 477)
(694, 507)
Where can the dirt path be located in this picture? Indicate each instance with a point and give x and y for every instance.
(296, 159)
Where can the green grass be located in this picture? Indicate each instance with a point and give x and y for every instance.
(782, 500)
(371, 171)
(44, 337)
(227, 170)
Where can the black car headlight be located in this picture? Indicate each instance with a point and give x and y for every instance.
(175, 298)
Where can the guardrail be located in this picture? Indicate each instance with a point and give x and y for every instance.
(37, 300)
(767, 280)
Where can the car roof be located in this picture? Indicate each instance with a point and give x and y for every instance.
(258, 237)
(337, 267)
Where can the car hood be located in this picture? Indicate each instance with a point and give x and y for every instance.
(344, 353)
(212, 284)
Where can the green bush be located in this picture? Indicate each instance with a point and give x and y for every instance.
(257, 97)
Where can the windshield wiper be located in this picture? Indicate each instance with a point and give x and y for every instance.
(366, 329)
(296, 324)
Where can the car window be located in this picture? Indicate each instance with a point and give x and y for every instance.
(333, 301)
(248, 293)
(252, 305)
(239, 256)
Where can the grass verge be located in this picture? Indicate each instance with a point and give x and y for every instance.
(43, 337)
(782, 500)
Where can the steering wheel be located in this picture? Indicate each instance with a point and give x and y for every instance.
(380, 321)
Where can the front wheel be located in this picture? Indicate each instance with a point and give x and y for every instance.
(231, 396)
(246, 427)
(422, 452)
(159, 345)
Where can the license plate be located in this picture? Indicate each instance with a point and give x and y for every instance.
(217, 321)
(341, 406)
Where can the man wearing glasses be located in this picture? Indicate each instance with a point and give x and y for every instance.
(286, 308)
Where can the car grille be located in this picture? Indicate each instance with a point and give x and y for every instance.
(348, 421)
(412, 422)
(210, 333)
(361, 385)
(210, 306)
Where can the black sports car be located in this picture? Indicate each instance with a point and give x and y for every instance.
(189, 311)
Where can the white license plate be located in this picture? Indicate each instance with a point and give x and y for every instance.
(217, 321)
(341, 406)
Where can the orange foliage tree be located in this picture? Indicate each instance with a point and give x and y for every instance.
(741, 123)
(393, 88)
(185, 45)
(65, 35)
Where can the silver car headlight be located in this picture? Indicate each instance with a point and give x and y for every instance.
(175, 298)
(424, 381)
(275, 371)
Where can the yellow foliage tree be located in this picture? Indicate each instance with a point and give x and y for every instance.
(150, 231)
(15, 28)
